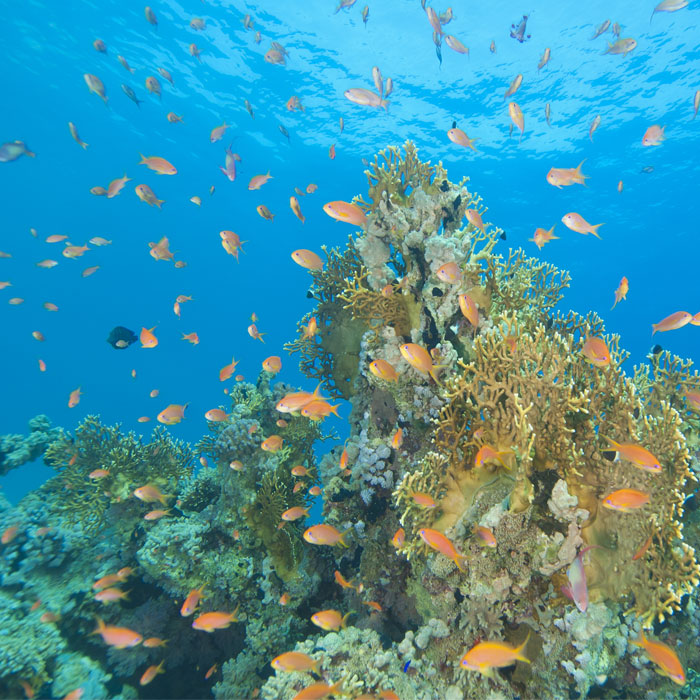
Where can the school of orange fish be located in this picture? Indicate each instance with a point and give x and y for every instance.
(485, 655)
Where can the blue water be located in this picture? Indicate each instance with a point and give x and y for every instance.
(650, 232)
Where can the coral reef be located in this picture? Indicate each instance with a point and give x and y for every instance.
(16, 450)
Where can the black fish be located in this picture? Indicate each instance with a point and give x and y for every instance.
(439, 54)
(120, 338)
(454, 124)
(519, 32)
(656, 350)
(283, 131)
(503, 236)
(647, 169)
(129, 92)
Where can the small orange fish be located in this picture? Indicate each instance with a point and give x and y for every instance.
(89, 271)
(460, 138)
(383, 370)
(296, 208)
(254, 333)
(307, 259)
(664, 657)
(311, 188)
(565, 177)
(151, 672)
(153, 642)
(330, 620)
(117, 637)
(486, 656)
(74, 398)
(272, 364)
(150, 493)
(577, 223)
(487, 453)
(295, 661)
(146, 194)
(111, 595)
(469, 309)
(596, 351)
(310, 328)
(74, 251)
(449, 273)
(345, 211)
(257, 181)
(514, 85)
(156, 514)
(227, 371)
(424, 500)
(98, 474)
(158, 165)
(148, 340)
(621, 291)
(485, 536)
(272, 444)
(315, 491)
(212, 670)
(216, 415)
(673, 322)
(644, 548)
(192, 601)
(397, 439)
(341, 580)
(637, 455)
(218, 132)
(517, 118)
(419, 358)
(399, 538)
(474, 218)
(654, 136)
(542, 236)
(331, 152)
(292, 514)
(42, 365)
(320, 690)
(9, 534)
(191, 337)
(325, 535)
(437, 541)
(626, 500)
(373, 604)
(318, 410)
(114, 188)
(208, 622)
(620, 186)
(174, 118)
(173, 414)
(38, 335)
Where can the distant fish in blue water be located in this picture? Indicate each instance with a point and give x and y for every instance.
(519, 31)
(129, 92)
(12, 150)
(120, 338)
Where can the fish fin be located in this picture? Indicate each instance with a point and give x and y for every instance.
(341, 539)
(594, 231)
(100, 626)
(344, 621)
(519, 650)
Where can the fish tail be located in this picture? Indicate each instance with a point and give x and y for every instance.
(343, 622)
(100, 626)
(334, 410)
(594, 231)
(341, 539)
(519, 650)
(459, 558)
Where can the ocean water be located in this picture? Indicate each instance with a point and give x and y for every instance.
(650, 232)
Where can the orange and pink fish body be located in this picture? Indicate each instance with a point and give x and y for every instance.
(596, 351)
(294, 661)
(486, 656)
(117, 637)
(626, 500)
(577, 223)
(208, 622)
(437, 541)
(542, 236)
(621, 291)
(191, 602)
(307, 259)
(654, 135)
(345, 211)
(146, 194)
(637, 455)
(158, 165)
(564, 177)
(419, 358)
(469, 309)
(460, 138)
(325, 535)
(330, 620)
(173, 414)
(673, 322)
(383, 370)
(517, 118)
(664, 657)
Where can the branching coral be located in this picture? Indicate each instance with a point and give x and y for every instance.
(129, 461)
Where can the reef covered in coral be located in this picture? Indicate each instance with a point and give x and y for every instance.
(485, 494)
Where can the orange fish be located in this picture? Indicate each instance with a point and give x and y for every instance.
(292, 514)
(331, 152)
(208, 622)
(151, 672)
(172, 415)
(468, 308)
(419, 358)
(325, 535)
(596, 351)
(342, 581)
(161, 250)
(272, 364)
(673, 322)
(330, 620)
(295, 661)
(577, 223)
(294, 402)
(148, 340)
(442, 544)
(460, 138)
(265, 213)
(38, 335)
(307, 259)
(399, 538)
(98, 474)
(216, 415)
(195, 51)
(212, 670)
(620, 186)
(474, 218)
(486, 656)
(49, 306)
(117, 637)
(637, 455)
(74, 251)
(173, 118)
(310, 328)
(320, 690)
(89, 271)
(397, 439)
(74, 398)
(272, 444)
(626, 500)
(153, 642)
(156, 515)
(150, 493)
(693, 399)
(42, 366)
(345, 211)
(664, 657)
(423, 499)
(146, 194)
(542, 236)
(485, 536)
(158, 165)
(449, 273)
(192, 601)
(116, 186)
(191, 337)
(383, 370)
(621, 291)
(227, 371)
(296, 208)
(564, 177)
(96, 86)
(654, 135)
(56, 238)
(514, 85)
(487, 453)
(111, 595)
(318, 410)
(311, 188)
(517, 118)
(257, 181)
(218, 132)
(9, 534)
(153, 85)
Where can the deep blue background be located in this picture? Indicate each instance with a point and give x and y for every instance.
(650, 232)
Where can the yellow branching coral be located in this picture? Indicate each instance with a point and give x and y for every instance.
(531, 391)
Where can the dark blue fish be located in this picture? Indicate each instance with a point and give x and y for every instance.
(406, 665)
(120, 338)
(129, 92)
(284, 132)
